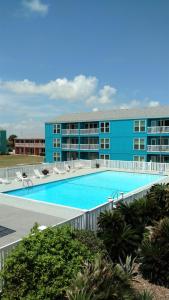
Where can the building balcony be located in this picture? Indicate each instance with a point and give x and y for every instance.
(30, 145)
(89, 131)
(81, 146)
(89, 146)
(70, 146)
(158, 148)
(158, 129)
(70, 131)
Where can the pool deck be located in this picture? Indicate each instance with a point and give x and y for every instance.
(21, 215)
(22, 221)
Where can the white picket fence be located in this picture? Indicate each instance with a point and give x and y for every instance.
(134, 166)
(89, 219)
(10, 173)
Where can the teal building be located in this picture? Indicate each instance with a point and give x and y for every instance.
(3, 146)
(123, 134)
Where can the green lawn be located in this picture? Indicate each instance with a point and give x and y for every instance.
(13, 160)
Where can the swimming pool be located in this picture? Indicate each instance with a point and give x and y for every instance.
(87, 191)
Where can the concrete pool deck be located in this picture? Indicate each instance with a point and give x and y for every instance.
(22, 221)
(21, 215)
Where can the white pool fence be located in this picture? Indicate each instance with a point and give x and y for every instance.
(10, 173)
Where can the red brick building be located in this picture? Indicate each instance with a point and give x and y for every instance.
(30, 146)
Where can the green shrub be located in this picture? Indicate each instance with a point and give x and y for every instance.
(101, 280)
(158, 197)
(129, 267)
(144, 211)
(145, 295)
(136, 214)
(94, 281)
(119, 238)
(155, 254)
(89, 239)
(42, 265)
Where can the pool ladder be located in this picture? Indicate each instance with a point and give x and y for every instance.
(115, 195)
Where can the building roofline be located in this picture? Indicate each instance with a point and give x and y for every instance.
(116, 114)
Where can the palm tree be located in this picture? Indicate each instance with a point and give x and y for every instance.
(119, 238)
(155, 254)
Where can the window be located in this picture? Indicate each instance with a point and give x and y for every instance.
(90, 125)
(56, 156)
(139, 126)
(105, 127)
(139, 144)
(56, 143)
(104, 156)
(56, 128)
(138, 158)
(105, 143)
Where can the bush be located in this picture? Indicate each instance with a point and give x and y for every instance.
(42, 265)
(155, 254)
(101, 280)
(145, 295)
(136, 214)
(144, 211)
(158, 197)
(119, 238)
(89, 239)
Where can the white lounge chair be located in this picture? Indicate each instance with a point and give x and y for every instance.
(58, 171)
(4, 181)
(69, 169)
(20, 177)
(38, 174)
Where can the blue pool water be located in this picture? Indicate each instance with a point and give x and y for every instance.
(86, 192)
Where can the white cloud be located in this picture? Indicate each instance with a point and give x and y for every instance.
(21, 129)
(131, 104)
(35, 6)
(79, 88)
(104, 96)
(153, 103)
(26, 105)
(95, 109)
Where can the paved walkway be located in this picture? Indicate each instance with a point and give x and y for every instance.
(20, 215)
(22, 221)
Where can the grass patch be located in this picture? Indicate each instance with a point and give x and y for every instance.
(13, 160)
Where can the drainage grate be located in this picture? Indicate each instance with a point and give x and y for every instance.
(5, 231)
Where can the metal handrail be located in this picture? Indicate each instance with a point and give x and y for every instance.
(158, 129)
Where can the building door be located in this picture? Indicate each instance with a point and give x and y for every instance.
(153, 123)
(72, 155)
(153, 141)
(153, 158)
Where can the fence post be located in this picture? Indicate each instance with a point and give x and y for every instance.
(6, 173)
(86, 220)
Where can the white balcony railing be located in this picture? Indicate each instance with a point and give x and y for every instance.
(89, 131)
(158, 129)
(70, 146)
(158, 148)
(30, 145)
(82, 146)
(89, 146)
(70, 131)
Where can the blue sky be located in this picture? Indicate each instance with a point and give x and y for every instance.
(60, 56)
